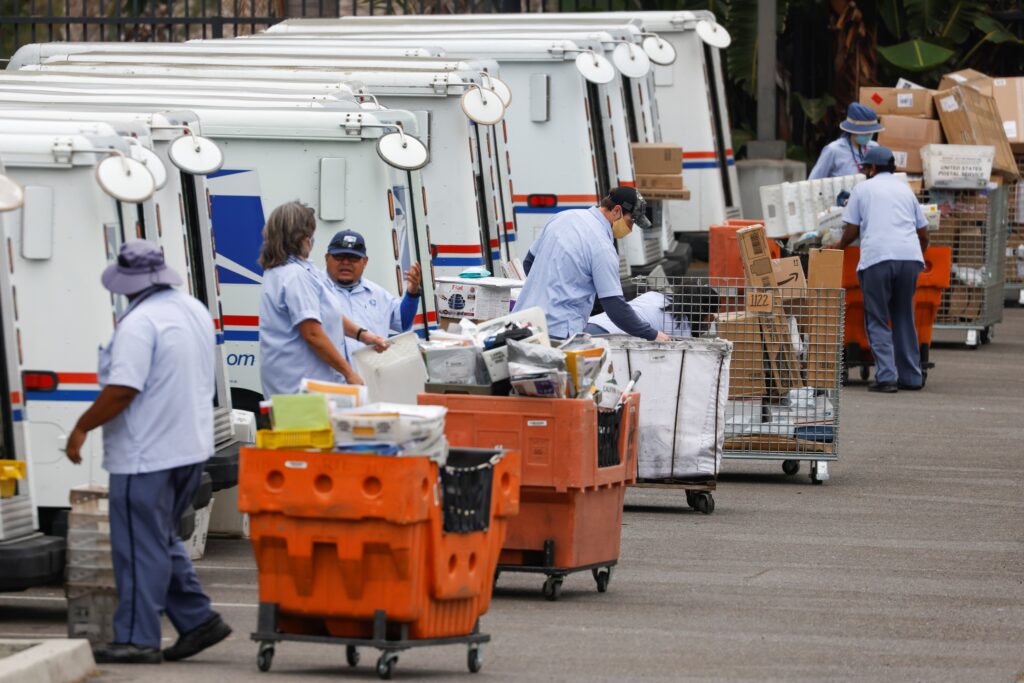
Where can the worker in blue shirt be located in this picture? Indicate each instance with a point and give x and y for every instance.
(884, 213)
(574, 260)
(845, 155)
(156, 410)
(366, 303)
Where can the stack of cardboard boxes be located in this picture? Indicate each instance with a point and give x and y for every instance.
(787, 340)
(659, 171)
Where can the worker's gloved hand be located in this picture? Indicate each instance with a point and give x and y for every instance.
(662, 337)
(412, 280)
(379, 344)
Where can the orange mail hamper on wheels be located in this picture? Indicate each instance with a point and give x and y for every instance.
(570, 513)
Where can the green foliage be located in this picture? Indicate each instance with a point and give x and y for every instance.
(916, 55)
(815, 108)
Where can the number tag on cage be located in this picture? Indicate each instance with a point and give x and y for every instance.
(759, 301)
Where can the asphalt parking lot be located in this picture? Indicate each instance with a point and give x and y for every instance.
(908, 565)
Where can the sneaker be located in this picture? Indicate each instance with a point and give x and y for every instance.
(126, 653)
(884, 387)
(207, 634)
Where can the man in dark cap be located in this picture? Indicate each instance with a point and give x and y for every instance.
(884, 213)
(574, 261)
(156, 410)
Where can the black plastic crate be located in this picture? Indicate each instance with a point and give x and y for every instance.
(609, 423)
(466, 482)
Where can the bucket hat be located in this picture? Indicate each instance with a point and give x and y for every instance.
(878, 156)
(861, 120)
(140, 264)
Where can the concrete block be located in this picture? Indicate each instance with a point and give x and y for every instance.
(48, 661)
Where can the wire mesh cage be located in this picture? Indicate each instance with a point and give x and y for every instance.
(974, 224)
(784, 376)
(1014, 272)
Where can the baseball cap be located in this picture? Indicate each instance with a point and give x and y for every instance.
(347, 242)
(632, 202)
(878, 156)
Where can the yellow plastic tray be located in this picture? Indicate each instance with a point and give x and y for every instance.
(295, 438)
(10, 472)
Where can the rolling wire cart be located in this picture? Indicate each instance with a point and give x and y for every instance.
(1013, 288)
(974, 225)
(784, 375)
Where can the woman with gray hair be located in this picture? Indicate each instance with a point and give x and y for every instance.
(299, 314)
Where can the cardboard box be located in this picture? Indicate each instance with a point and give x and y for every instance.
(825, 269)
(657, 158)
(476, 299)
(819, 319)
(789, 276)
(971, 118)
(1009, 96)
(679, 195)
(916, 184)
(968, 77)
(660, 181)
(746, 370)
(902, 102)
(905, 136)
(756, 257)
(964, 167)
(782, 363)
(965, 303)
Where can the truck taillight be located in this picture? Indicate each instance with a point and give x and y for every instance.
(545, 201)
(39, 380)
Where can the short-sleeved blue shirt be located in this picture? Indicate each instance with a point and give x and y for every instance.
(165, 347)
(840, 157)
(889, 217)
(294, 292)
(574, 261)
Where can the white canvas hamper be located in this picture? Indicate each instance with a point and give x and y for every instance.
(683, 389)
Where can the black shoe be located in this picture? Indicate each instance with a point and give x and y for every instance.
(883, 387)
(207, 634)
(126, 653)
(910, 387)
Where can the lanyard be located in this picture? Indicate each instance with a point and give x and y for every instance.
(145, 294)
(849, 141)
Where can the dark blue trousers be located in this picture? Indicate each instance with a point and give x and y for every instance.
(153, 571)
(888, 289)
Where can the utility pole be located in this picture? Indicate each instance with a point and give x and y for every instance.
(766, 146)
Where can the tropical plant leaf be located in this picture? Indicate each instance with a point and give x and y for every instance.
(916, 55)
(815, 108)
(741, 22)
(995, 32)
(892, 12)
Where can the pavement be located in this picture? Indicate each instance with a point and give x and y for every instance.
(908, 565)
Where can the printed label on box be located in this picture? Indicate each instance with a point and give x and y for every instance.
(759, 301)
(958, 78)
(999, 82)
(949, 103)
(900, 157)
(1011, 128)
(904, 100)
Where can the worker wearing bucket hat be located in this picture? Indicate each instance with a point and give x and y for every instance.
(845, 155)
(574, 261)
(884, 213)
(156, 410)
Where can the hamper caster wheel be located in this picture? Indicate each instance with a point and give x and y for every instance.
(602, 575)
(386, 665)
(352, 655)
(865, 372)
(265, 656)
(791, 467)
(705, 502)
(691, 499)
(474, 659)
(552, 588)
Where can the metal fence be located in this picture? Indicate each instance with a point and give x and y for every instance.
(33, 21)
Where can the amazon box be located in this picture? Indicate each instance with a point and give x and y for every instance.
(901, 102)
(746, 369)
(789, 276)
(971, 118)
(905, 136)
(1009, 96)
(657, 158)
(967, 77)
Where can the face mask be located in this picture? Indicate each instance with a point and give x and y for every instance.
(863, 140)
(620, 229)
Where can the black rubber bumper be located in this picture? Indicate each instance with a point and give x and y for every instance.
(34, 561)
(204, 493)
(223, 467)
